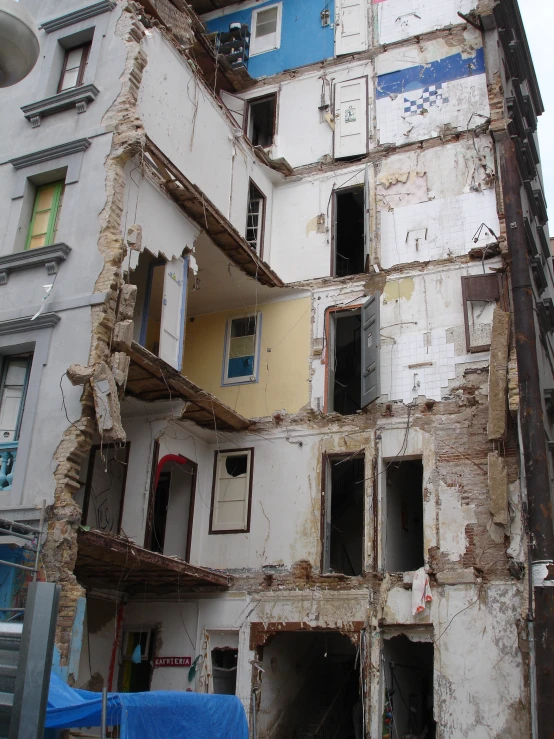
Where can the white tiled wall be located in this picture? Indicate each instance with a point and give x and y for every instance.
(400, 381)
(436, 229)
(467, 106)
(398, 19)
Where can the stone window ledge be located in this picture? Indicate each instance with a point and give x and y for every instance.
(78, 98)
(47, 256)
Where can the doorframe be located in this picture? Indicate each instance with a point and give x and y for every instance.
(148, 527)
(334, 212)
(147, 295)
(330, 345)
(352, 157)
(88, 484)
(326, 500)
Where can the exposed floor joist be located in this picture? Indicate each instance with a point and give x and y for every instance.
(194, 203)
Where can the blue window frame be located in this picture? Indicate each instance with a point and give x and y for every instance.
(241, 357)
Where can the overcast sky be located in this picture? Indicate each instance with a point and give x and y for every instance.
(538, 17)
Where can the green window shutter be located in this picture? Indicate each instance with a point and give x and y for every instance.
(45, 213)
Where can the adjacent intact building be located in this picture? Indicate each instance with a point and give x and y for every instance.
(276, 315)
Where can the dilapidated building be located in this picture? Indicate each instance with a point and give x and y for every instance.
(276, 315)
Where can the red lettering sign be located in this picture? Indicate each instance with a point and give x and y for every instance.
(172, 661)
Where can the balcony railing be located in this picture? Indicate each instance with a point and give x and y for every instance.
(8, 454)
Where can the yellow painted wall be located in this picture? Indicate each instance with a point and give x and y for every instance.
(286, 327)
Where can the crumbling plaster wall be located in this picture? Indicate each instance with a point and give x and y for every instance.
(193, 131)
(395, 20)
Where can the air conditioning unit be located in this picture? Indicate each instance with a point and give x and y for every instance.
(234, 45)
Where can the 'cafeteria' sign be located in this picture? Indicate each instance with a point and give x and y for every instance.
(172, 661)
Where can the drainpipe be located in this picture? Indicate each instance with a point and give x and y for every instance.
(254, 713)
(533, 437)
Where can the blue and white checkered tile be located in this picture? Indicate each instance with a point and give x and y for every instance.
(432, 95)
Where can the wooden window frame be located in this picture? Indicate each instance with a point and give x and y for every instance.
(245, 379)
(492, 288)
(49, 237)
(260, 99)
(88, 483)
(246, 530)
(328, 314)
(261, 224)
(82, 66)
(148, 530)
(278, 29)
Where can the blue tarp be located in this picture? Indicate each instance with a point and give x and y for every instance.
(159, 714)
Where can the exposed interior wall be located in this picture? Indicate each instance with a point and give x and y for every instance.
(284, 358)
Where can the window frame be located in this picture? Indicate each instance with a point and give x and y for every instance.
(261, 99)
(254, 38)
(250, 481)
(88, 482)
(261, 222)
(53, 217)
(82, 66)
(4, 362)
(227, 381)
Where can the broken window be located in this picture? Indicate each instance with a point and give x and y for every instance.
(74, 67)
(232, 491)
(171, 507)
(255, 218)
(161, 306)
(241, 356)
(350, 254)
(403, 507)
(480, 294)
(135, 672)
(261, 120)
(266, 29)
(13, 389)
(224, 670)
(45, 217)
(317, 678)
(408, 682)
(353, 357)
(105, 487)
(343, 515)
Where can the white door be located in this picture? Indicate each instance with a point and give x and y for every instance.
(235, 105)
(173, 312)
(350, 26)
(351, 117)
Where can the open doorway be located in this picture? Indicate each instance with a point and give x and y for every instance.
(310, 687)
(344, 515)
(345, 368)
(349, 228)
(404, 550)
(408, 682)
(135, 673)
(261, 120)
(171, 508)
(104, 492)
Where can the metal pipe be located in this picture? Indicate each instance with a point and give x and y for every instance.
(254, 714)
(104, 713)
(533, 445)
(39, 535)
(18, 567)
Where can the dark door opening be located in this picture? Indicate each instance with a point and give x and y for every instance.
(349, 231)
(346, 363)
(149, 279)
(171, 510)
(344, 515)
(408, 674)
(404, 516)
(310, 687)
(136, 670)
(261, 120)
(104, 493)
(224, 670)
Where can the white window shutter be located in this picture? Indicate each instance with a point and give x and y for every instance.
(173, 312)
(235, 105)
(367, 232)
(351, 117)
(351, 26)
(371, 347)
(231, 496)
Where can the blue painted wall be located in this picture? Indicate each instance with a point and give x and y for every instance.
(303, 40)
(12, 579)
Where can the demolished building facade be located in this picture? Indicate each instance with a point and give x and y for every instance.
(279, 362)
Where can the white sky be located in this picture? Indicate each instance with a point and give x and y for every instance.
(538, 17)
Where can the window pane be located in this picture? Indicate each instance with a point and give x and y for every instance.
(37, 241)
(74, 58)
(17, 369)
(45, 196)
(244, 346)
(266, 22)
(40, 225)
(241, 367)
(70, 79)
(243, 326)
